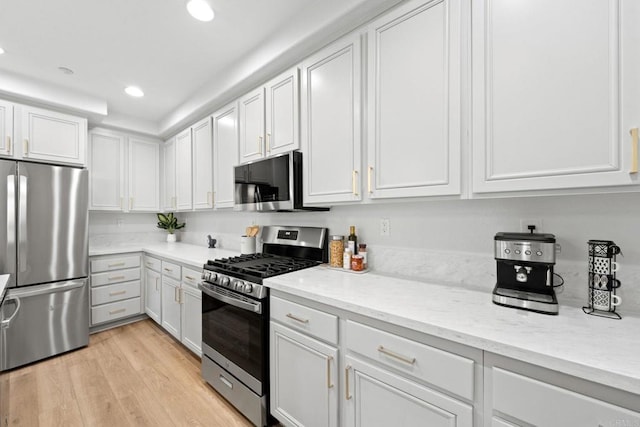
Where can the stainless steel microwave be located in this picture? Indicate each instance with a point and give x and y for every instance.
(270, 185)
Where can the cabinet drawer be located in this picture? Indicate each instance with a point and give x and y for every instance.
(190, 277)
(171, 270)
(313, 322)
(440, 368)
(115, 277)
(115, 263)
(532, 399)
(115, 310)
(152, 263)
(113, 293)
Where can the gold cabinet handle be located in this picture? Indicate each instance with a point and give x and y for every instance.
(347, 396)
(122, 310)
(176, 296)
(634, 150)
(369, 172)
(173, 202)
(354, 178)
(116, 278)
(210, 198)
(112, 294)
(149, 264)
(168, 269)
(329, 360)
(130, 203)
(8, 145)
(297, 319)
(156, 283)
(121, 200)
(189, 277)
(268, 143)
(395, 355)
(260, 145)
(117, 264)
(26, 147)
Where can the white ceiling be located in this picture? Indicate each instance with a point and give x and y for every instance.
(181, 64)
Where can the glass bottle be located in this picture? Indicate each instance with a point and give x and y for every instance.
(352, 240)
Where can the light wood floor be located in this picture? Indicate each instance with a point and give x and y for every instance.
(131, 375)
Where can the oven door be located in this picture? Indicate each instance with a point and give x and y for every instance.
(235, 335)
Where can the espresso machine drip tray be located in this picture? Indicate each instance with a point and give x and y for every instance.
(534, 301)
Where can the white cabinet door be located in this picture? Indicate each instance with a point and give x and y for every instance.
(414, 101)
(184, 197)
(53, 137)
(330, 123)
(152, 294)
(202, 165)
(144, 175)
(552, 105)
(251, 121)
(106, 170)
(377, 397)
(169, 175)
(282, 113)
(6, 128)
(191, 306)
(304, 379)
(225, 155)
(171, 306)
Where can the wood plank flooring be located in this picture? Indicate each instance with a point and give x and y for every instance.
(133, 375)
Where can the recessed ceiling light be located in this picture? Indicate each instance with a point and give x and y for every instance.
(134, 91)
(1, 51)
(66, 70)
(200, 10)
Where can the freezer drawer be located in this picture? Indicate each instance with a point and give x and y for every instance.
(45, 320)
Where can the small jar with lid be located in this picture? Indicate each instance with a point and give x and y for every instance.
(362, 250)
(357, 263)
(336, 251)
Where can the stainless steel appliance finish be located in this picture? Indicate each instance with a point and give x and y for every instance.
(5, 386)
(524, 263)
(45, 231)
(235, 314)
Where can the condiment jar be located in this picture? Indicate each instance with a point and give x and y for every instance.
(346, 259)
(336, 251)
(357, 263)
(362, 250)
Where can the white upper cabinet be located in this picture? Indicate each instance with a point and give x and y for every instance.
(414, 101)
(184, 195)
(52, 137)
(269, 118)
(225, 155)
(106, 170)
(282, 113)
(252, 125)
(555, 93)
(202, 165)
(169, 175)
(6, 128)
(124, 172)
(144, 175)
(330, 123)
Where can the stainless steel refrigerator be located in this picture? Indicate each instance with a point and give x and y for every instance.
(44, 241)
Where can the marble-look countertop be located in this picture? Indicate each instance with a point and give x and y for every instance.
(192, 255)
(602, 350)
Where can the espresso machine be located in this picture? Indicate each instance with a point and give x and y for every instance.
(525, 271)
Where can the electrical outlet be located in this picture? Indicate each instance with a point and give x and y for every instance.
(384, 227)
(119, 222)
(526, 222)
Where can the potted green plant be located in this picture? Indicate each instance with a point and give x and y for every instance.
(170, 223)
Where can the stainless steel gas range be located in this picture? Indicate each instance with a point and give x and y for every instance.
(235, 314)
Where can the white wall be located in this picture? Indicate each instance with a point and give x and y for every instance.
(444, 241)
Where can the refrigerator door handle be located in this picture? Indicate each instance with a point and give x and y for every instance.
(10, 254)
(32, 291)
(7, 322)
(22, 223)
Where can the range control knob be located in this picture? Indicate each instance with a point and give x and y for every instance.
(507, 251)
(539, 253)
(238, 285)
(248, 287)
(517, 251)
(527, 252)
(224, 281)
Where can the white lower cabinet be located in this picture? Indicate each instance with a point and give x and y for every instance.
(378, 397)
(304, 379)
(171, 306)
(152, 286)
(191, 311)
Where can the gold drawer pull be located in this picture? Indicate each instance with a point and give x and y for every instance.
(168, 269)
(347, 396)
(354, 178)
(395, 355)
(189, 277)
(634, 150)
(122, 310)
(297, 319)
(112, 294)
(116, 278)
(117, 264)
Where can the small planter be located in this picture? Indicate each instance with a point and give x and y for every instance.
(171, 238)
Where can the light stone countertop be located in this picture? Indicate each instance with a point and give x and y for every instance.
(192, 255)
(602, 350)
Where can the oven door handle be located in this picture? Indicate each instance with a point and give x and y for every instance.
(254, 307)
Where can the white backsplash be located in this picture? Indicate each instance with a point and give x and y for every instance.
(433, 241)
